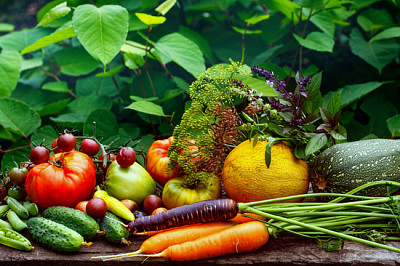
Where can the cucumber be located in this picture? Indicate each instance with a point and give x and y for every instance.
(345, 166)
(53, 235)
(115, 231)
(73, 219)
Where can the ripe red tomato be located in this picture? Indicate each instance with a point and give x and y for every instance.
(126, 157)
(89, 147)
(54, 145)
(96, 208)
(39, 155)
(66, 142)
(66, 184)
(82, 206)
(157, 161)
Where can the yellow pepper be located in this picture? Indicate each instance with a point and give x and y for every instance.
(114, 205)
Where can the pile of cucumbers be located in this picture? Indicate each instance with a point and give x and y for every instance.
(57, 228)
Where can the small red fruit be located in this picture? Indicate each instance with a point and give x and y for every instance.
(89, 147)
(66, 142)
(96, 208)
(159, 210)
(54, 145)
(152, 202)
(39, 155)
(126, 157)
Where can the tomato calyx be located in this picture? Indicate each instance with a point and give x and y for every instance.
(57, 162)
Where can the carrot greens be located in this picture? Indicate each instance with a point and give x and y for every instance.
(366, 220)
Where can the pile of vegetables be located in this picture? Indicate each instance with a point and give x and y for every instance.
(367, 220)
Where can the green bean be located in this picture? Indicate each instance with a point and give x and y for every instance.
(14, 239)
(3, 210)
(4, 224)
(31, 207)
(15, 221)
(17, 207)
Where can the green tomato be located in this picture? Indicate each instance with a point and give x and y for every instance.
(177, 193)
(132, 182)
(17, 193)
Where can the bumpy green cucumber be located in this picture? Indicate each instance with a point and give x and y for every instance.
(346, 166)
(53, 235)
(73, 219)
(114, 230)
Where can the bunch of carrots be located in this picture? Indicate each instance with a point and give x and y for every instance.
(214, 228)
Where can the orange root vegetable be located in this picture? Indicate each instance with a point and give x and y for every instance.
(240, 238)
(244, 217)
(157, 243)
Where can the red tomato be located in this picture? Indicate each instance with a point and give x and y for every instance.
(157, 161)
(67, 180)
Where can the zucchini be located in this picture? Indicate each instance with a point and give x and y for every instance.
(114, 230)
(53, 235)
(73, 219)
(345, 166)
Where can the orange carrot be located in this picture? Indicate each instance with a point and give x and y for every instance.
(161, 241)
(244, 217)
(241, 238)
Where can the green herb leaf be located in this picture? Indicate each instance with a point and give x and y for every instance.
(316, 142)
(394, 125)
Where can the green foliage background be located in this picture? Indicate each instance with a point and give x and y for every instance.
(109, 62)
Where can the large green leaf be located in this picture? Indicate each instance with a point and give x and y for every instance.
(317, 41)
(147, 108)
(184, 52)
(378, 54)
(101, 86)
(324, 21)
(18, 40)
(17, 117)
(102, 31)
(50, 39)
(387, 34)
(374, 19)
(56, 12)
(75, 61)
(352, 93)
(10, 67)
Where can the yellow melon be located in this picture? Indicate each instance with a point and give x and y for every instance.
(247, 178)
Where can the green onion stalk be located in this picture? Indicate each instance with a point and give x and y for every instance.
(368, 220)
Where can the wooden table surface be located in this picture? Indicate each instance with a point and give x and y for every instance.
(284, 250)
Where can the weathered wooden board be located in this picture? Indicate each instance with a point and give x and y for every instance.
(284, 250)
